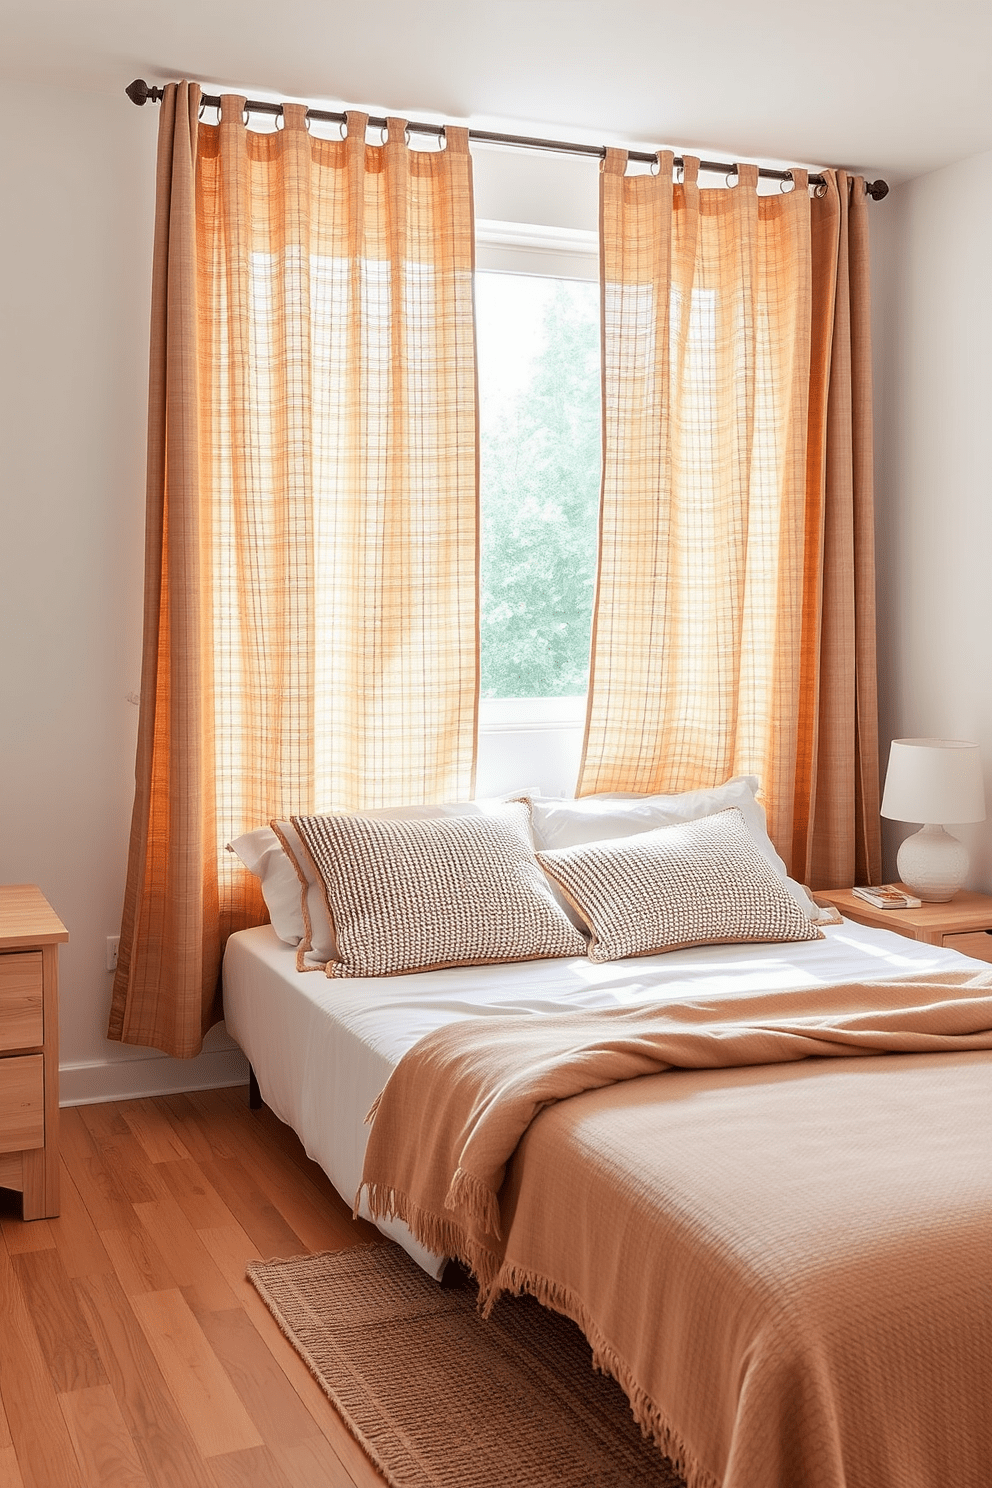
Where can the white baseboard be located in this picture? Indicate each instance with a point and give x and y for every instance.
(129, 1079)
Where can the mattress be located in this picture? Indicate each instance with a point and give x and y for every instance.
(322, 1049)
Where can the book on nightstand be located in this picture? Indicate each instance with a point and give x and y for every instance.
(887, 896)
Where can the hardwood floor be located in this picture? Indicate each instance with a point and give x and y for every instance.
(133, 1352)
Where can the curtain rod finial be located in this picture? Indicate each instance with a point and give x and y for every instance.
(139, 92)
(877, 189)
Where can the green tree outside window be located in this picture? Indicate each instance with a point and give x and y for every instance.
(540, 473)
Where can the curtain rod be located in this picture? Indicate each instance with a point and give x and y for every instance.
(139, 92)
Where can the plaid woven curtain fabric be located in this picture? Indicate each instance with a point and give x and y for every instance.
(311, 631)
(734, 620)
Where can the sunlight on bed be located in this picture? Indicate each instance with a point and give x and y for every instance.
(916, 962)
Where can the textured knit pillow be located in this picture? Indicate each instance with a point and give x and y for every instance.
(315, 942)
(415, 895)
(560, 823)
(688, 884)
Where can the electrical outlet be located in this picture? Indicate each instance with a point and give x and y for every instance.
(113, 941)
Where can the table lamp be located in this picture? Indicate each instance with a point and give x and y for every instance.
(933, 781)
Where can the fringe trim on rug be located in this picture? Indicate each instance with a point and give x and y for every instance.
(651, 1419)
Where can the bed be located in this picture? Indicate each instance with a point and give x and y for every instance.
(323, 1050)
(785, 1260)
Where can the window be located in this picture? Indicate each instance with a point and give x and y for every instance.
(537, 308)
(540, 472)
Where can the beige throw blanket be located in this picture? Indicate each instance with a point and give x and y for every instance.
(788, 1266)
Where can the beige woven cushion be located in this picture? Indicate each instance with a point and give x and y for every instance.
(415, 895)
(315, 938)
(559, 823)
(688, 884)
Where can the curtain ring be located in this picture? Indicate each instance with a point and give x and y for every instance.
(680, 173)
(406, 135)
(656, 166)
(785, 187)
(245, 116)
(343, 128)
(383, 134)
(820, 189)
(736, 175)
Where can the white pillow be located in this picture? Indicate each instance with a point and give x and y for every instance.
(558, 823)
(262, 854)
(316, 944)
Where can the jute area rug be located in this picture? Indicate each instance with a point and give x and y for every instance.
(439, 1398)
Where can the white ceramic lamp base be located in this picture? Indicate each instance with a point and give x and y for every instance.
(933, 864)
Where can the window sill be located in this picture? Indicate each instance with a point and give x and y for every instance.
(513, 715)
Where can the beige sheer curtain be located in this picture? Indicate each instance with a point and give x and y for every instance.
(734, 620)
(311, 631)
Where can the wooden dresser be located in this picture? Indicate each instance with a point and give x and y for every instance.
(30, 932)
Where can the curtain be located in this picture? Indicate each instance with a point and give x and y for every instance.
(733, 629)
(310, 628)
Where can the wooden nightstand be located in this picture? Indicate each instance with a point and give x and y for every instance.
(30, 932)
(964, 923)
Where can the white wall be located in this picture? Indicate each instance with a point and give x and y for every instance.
(76, 184)
(531, 186)
(933, 352)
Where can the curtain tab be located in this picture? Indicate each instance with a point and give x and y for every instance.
(294, 116)
(456, 138)
(747, 177)
(395, 132)
(614, 162)
(232, 109)
(666, 161)
(800, 180)
(356, 124)
(690, 170)
(831, 184)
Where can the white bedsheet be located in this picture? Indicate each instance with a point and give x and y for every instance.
(322, 1049)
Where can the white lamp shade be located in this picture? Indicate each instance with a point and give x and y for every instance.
(934, 780)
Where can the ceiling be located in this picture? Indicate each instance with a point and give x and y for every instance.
(891, 87)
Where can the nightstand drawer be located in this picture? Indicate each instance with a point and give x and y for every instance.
(22, 1103)
(21, 1022)
(977, 943)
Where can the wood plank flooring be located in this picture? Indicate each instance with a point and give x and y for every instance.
(133, 1352)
